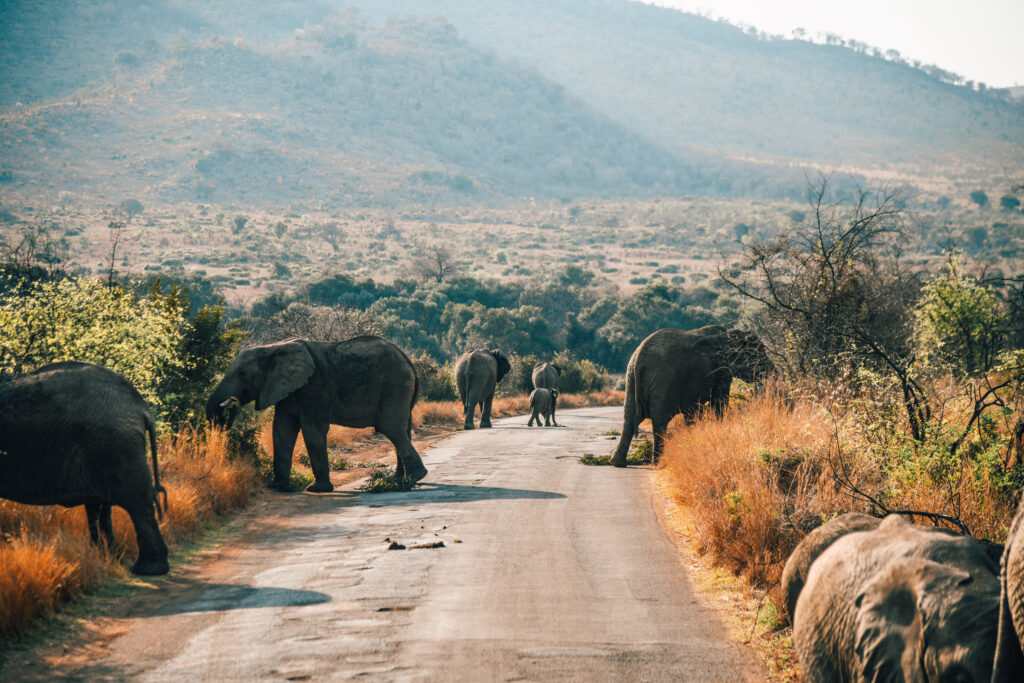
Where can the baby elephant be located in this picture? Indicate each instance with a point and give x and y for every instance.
(543, 401)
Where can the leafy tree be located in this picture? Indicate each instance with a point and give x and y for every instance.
(980, 198)
(81, 319)
(436, 262)
(959, 322)
(238, 224)
(130, 208)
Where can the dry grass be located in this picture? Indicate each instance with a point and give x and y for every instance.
(753, 483)
(46, 558)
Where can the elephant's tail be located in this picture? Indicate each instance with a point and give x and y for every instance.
(158, 488)
(415, 395)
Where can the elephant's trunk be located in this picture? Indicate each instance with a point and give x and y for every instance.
(222, 407)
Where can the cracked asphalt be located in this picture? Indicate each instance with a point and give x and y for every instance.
(550, 570)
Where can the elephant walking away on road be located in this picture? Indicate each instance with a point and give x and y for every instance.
(477, 373)
(542, 402)
(76, 434)
(677, 371)
(361, 382)
(896, 603)
(545, 375)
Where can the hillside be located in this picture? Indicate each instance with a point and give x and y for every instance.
(686, 80)
(340, 113)
(265, 102)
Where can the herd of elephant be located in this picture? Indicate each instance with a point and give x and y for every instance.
(869, 599)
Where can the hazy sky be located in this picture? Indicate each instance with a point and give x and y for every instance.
(982, 40)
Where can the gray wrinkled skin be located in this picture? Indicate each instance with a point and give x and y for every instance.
(542, 402)
(477, 373)
(361, 382)
(76, 434)
(678, 371)
(898, 603)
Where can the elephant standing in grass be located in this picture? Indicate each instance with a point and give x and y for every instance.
(361, 382)
(677, 371)
(542, 402)
(895, 603)
(477, 373)
(76, 434)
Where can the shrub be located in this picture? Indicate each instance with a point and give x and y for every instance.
(84, 320)
(436, 383)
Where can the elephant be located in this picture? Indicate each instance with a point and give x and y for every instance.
(1009, 665)
(794, 574)
(542, 402)
(677, 371)
(361, 382)
(74, 434)
(545, 375)
(897, 603)
(476, 375)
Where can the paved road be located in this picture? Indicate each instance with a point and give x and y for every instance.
(562, 573)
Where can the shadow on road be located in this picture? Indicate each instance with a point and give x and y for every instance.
(430, 492)
(221, 597)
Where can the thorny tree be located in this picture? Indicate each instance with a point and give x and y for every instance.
(834, 291)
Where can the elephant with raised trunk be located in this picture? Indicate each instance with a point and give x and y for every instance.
(895, 603)
(361, 382)
(76, 434)
(542, 402)
(677, 371)
(477, 373)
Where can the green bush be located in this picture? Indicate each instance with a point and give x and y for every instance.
(579, 376)
(436, 383)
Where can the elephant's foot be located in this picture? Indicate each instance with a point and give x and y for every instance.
(280, 486)
(469, 425)
(414, 473)
(320, 487)
(151, 567)
(619, 460)
(485, 425)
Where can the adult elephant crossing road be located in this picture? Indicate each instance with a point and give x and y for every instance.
(561, 571)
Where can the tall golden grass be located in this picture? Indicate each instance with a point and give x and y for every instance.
(759, 478)
(46, 558)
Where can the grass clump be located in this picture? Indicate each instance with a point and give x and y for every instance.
(591, 459)
(386, 481)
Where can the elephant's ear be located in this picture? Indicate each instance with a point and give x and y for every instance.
(897, 611)
(503, 365)
(557, 368)
(288, 366)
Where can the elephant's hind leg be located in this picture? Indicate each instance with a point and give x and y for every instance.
(315, 436)
(152, 549)
(485, 414)
(98, 516)
(409, 464)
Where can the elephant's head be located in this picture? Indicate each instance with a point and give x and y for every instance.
(921, 620)
(503, 364)
(745, 356)
(264, 374)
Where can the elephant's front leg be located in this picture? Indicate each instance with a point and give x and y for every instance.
(485, 414)
(285, 430)
(315, 436)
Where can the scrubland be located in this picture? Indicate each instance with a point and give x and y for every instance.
(779, 463)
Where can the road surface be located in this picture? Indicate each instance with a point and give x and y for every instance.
(550, 570)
